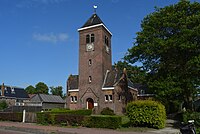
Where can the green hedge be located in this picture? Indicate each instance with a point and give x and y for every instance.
(146, 113)
(103, 121)
(68, 117)
(71, 112)
(10, 116)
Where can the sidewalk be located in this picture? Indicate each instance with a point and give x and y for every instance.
(33, 128)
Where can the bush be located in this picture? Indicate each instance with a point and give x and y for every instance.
(146, 113)
(112, 122)
(42, 118)
(107, 111)
(3, 104)
(191, 116)
(9, 116)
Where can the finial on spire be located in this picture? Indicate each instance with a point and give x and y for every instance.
(95, 8)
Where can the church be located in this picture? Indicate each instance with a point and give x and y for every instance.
(98, 84)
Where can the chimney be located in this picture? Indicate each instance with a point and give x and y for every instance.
(2, 89)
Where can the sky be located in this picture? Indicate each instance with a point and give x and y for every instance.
(39, 40)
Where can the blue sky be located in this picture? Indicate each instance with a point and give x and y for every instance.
(39, 38)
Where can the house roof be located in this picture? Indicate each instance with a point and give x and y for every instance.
(14, 92)
(113, 77)
(72, 82)
(93, 20)
(47, 98)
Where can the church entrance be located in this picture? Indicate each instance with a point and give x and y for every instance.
(90, 103)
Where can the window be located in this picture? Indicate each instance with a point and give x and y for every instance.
(90, 79)
(90, 38)
(119, 97)
(106, 40)
(106, 98)
(90, 62)
(73, 99)
(110, 98)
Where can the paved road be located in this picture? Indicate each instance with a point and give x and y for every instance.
(32, 128)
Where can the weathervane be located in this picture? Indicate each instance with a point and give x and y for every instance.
(95, 8)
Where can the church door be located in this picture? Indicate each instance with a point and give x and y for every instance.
(90, 103)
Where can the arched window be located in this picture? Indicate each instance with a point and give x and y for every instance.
(90, 79)
(90, 62)
(90, 38)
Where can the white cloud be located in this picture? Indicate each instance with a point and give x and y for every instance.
(51, 37)
(36, 3)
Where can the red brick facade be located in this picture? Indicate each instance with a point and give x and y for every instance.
(94, 66)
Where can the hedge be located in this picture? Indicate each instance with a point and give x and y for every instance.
(66, 117)
(10, 116)
(146, 113)
(103, 121)
(72, 112)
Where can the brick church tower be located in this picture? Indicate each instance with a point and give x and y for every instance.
(95, 86)
(94, 60)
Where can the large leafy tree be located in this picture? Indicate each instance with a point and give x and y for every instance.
(57, 90)
(30, 90)
(135, 74)
(168, 46)
(42, 88)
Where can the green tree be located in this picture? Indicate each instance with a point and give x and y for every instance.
(42, 88)
(30, 90)
(135, 74)
(57, 90)
(168, 46)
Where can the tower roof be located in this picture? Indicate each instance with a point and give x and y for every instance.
(93, 20)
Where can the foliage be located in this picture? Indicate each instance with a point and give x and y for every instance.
(146, 113)
(135, 74)
(59, 118)
(42, 88)
(10, 116)
(3, 105)
(107, 111)
(186, 116)
(168, 46)
(57, 91)
(30, 90)
(72, 112)
(103, 121)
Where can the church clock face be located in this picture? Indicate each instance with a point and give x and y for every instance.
(90, 47)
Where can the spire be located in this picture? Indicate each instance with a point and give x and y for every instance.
(93, 20)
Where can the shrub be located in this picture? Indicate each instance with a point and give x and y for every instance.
(107, 111)
(103, 121)
(191, 116)
(42, 118)
(3, 104)
(146, 113)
